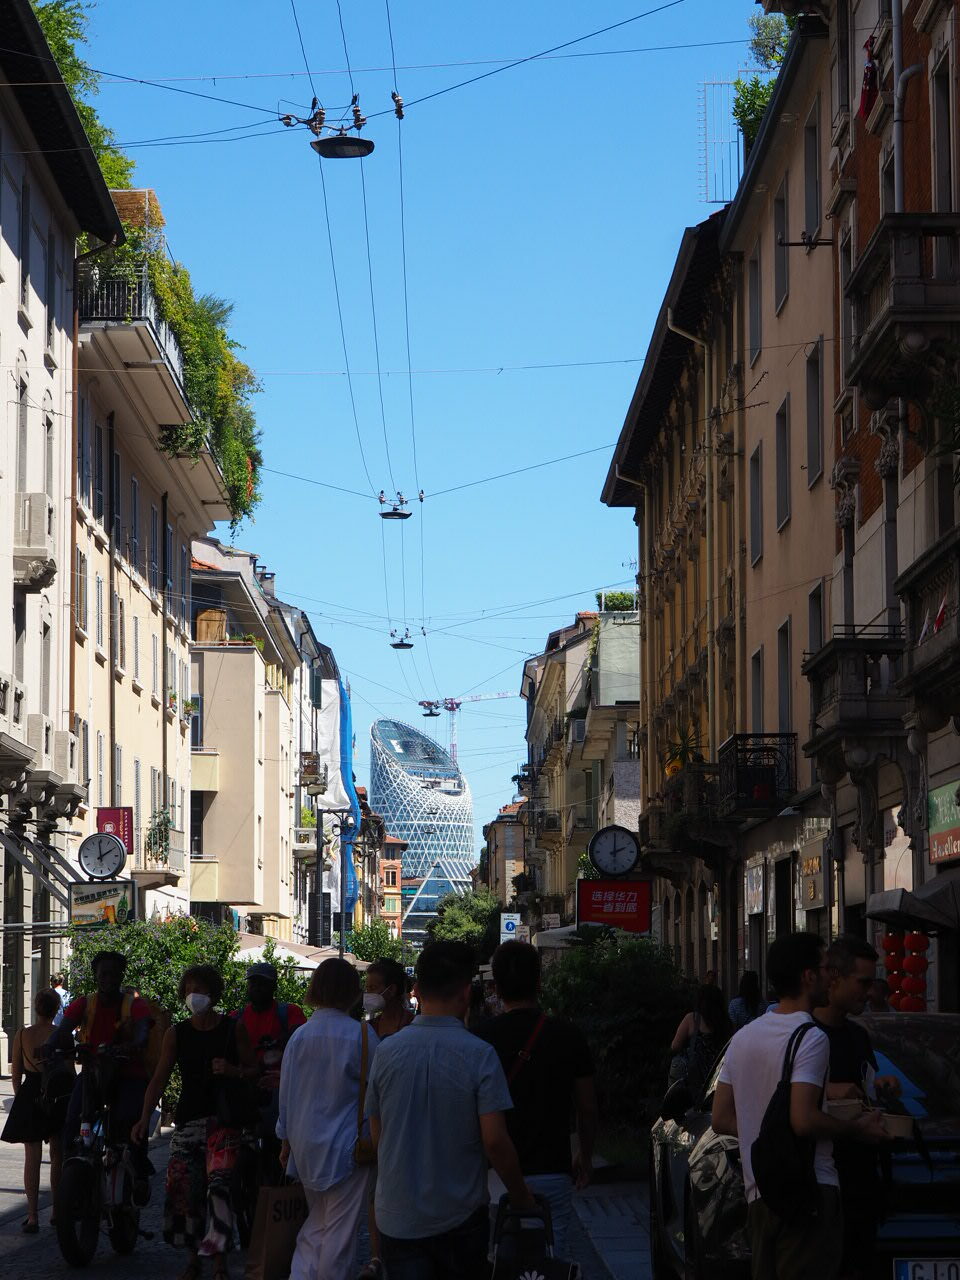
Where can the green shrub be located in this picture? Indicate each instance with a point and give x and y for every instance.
(628, 997)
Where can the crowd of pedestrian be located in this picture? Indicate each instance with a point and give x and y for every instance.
(345, 1103)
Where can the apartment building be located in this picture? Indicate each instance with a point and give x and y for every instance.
(265, 755)
(138, 506)
(505, 853)
(51, 191)
(391, 877)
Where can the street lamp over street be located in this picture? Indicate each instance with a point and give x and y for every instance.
(342, 146)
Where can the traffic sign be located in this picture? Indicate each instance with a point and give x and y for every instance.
(509, 923)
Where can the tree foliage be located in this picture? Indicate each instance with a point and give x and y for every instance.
(627, 996)
(65, 24)
(472, 917)
(768, 44)
(219, 385)
(158, 951)
(616, 601)
(374, 941)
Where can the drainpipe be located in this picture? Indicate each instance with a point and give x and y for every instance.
(711, 570)
(901, 77)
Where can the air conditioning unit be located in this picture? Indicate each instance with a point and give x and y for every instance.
(40, 738)
(34, 545)
(65, 755)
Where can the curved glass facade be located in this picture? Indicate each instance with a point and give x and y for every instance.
(424, 799)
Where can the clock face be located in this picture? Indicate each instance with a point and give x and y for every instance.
(614, 851)
(102, 856)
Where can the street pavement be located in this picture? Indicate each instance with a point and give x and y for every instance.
(608, 1235)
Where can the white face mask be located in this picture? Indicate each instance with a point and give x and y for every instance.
(373, 1003)
(197, 1002)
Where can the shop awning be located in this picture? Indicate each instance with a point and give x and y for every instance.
(934, 906)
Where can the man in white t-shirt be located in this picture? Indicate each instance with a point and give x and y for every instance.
(800, 1246)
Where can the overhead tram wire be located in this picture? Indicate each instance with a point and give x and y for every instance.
(614, 26)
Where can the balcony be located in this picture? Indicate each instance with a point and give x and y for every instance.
(548, 827)
(930, 590)
(160, 858)
(34, 542)
(904, 298)
(853, 693)
(758, 774)
(132, 304)
(581, 822)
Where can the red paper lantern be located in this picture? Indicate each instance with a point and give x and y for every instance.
(894, 999)
(894, 981)
(892, 942)
(913, 986)
(916, 942)
(892, 963)
(912, 1004)
(915, 964)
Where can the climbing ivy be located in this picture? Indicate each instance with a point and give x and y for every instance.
(219, 385)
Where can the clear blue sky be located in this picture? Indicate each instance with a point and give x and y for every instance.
(544, 207)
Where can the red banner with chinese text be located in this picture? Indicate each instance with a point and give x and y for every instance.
(622, 904)
(119, 823)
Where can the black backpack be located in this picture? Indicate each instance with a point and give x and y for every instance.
(783, 1163)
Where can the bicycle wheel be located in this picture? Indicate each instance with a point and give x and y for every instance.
(246, 1188)
(124, 1229)
(77, 1209)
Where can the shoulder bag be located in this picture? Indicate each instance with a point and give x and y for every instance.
(783, 1163)
(364, 1151)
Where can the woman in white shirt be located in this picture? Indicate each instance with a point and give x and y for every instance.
(319, 1124)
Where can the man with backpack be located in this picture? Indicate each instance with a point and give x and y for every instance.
(770, 1096)
(269, 1024)
(550, 1075)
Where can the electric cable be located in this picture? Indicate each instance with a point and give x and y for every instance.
(614, 26)
(296, 21)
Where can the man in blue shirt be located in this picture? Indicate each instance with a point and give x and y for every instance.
(436, 1104)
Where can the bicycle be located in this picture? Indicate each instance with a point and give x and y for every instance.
(97, 1180)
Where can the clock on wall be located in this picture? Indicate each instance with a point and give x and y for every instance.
(102, 856)
(614, 851)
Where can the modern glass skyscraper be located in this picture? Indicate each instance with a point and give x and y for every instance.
(424, 799)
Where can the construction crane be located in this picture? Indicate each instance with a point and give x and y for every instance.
(431, 707)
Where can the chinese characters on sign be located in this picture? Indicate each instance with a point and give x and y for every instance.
(944, 825)
(113, 902)
(119, 823)
(622, 904)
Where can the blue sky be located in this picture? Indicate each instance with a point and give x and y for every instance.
(543, 209)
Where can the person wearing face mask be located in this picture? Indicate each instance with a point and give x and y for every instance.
(215, 1059)
(385, 998)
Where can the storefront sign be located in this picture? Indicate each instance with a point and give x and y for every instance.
(622, 904)
(812, 895)
(753, 891)
(108, 902)
(119, 823)
(944, 823)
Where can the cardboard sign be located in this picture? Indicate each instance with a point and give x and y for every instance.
(622, 904)
(119, 823)
(104, 902)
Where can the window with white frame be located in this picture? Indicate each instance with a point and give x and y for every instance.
(754, 303)
(121, 634)
(154, 550)
(756, 504)
(80, 595)
(781, 254)
(814, 372)
(155, 665)
(137, 803)
(135, 640)
(98, 472)
(117, 499)
(98, 611)
(811, 173)
(118, 774)
(784, 680)
(156, 792)
(100, 768)
(173, 804)
(135, 522)
(782, 436)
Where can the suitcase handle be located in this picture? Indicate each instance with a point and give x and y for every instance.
(508, 1213)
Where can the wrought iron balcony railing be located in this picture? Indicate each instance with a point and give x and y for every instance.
(123, 301)
(758, 774)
